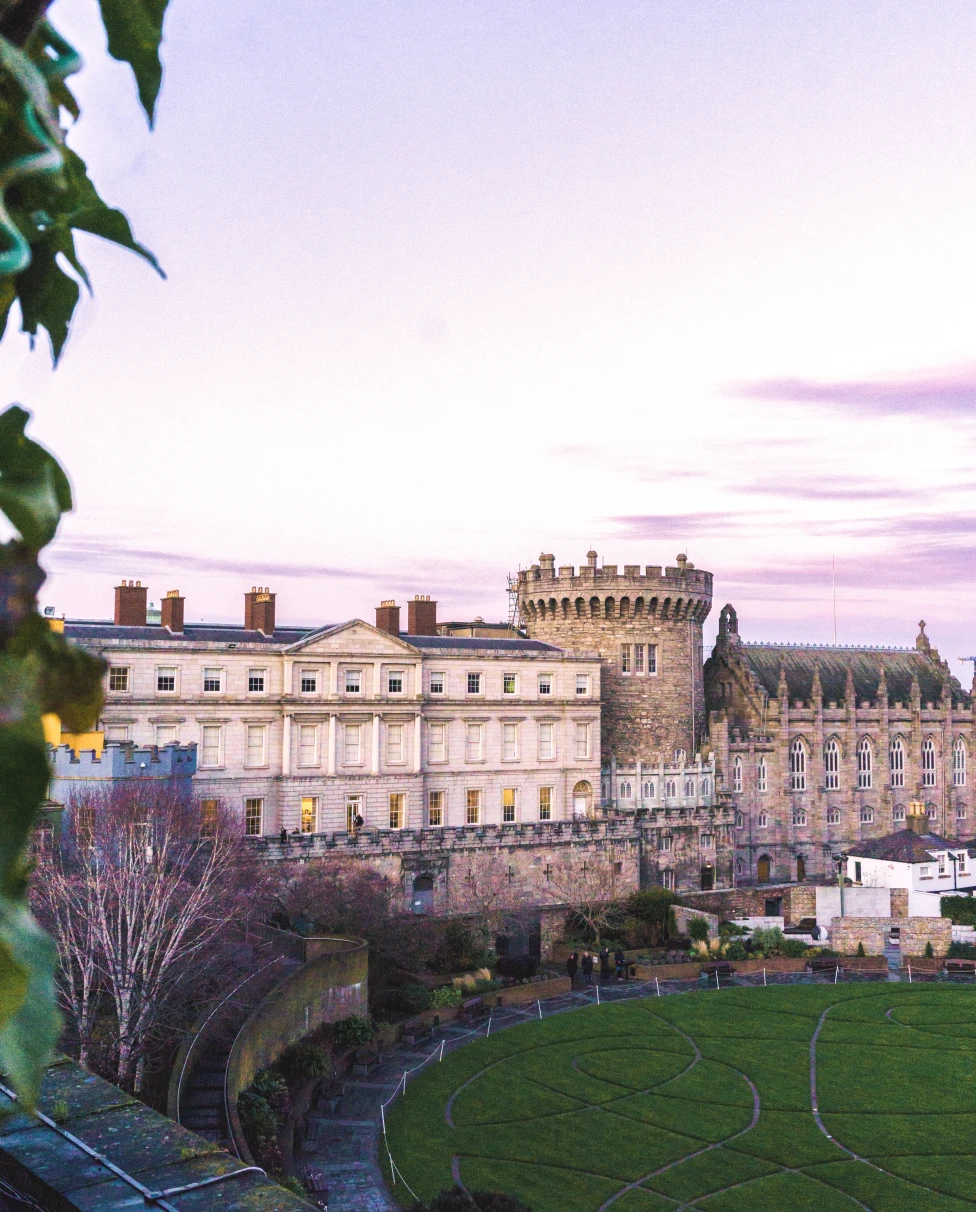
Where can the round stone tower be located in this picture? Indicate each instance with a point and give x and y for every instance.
(647, 628)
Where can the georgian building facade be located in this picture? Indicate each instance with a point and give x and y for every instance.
(348, 727)
(823, 748)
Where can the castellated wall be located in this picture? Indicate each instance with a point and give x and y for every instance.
(645, 715)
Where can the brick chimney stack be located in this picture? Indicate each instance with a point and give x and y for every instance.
(130, 604)
(916, 818)
(171, 612)
(259, 610)
(388, 617)
(421, 616)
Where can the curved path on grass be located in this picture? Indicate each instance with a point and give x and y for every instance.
(694, 1203)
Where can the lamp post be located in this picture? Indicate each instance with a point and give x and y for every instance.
(840, 860)
(954, 859)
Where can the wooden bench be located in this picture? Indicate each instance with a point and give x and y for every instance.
(823, 963)
(415, 1031)
(960, 965)
(473, 1009)
(722, 967)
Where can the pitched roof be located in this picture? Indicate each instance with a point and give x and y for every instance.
(440, 643)
(905, 846)
(865, 664)
(82, 630)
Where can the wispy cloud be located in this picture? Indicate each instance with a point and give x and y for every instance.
(822, 488)
(680, 526)
(947, 393)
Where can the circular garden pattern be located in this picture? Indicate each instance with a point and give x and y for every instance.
(744, 1100)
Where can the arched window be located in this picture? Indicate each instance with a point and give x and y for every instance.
(626, 791)
(898, 814)
(864, 761)
(763, 820)
(737, 774)
(705, 785)
(798, 766)
(932, 812)
(867, 816)
(762, 779)
(740, 820)
(959, 763)
(670, 789)
(650, 791)
(831, 765)
(896, 759)
(833, 816)
(928, 762)
(689, 789)
(799, 817)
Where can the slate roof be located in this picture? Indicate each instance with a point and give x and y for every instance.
(800, 660)
(905, 846)
(438, 643)
(82, 631)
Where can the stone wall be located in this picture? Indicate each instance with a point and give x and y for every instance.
(798, 901)
(899, 902)
(644, 717)
(917, 931)
(683, 915)
(847, 932)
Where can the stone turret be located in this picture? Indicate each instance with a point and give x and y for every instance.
(647, 627)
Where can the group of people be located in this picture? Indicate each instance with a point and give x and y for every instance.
(587, 962)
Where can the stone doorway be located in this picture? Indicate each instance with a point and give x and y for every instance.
(762, 869)
(423, 895)
(801, 870)
(707, 878)
(582, 801)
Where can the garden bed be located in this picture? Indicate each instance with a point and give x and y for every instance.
(531, 991)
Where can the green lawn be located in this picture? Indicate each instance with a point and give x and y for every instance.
(704, 1101)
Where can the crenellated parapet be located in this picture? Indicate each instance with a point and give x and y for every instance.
(117, 762)
(646, 625)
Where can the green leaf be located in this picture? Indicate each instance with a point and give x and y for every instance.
(24, 776)
(34, 491)
(48, 297)
(135, 30)
(28, 1034)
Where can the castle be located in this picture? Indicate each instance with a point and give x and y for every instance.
(593, 731)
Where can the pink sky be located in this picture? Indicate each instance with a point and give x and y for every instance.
(451, 284)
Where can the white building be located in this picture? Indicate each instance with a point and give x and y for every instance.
(915, 859)
(319, 730)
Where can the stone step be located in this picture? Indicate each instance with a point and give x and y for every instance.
(197, 1099)
(201, 1118)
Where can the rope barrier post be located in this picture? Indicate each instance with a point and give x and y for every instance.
(909, 974)
(443, 1042)
(717, 985)
(764, 978)
(598, 993)
(383, 1120)
(488, 1032)
(836, 970)
(540, 1007)
(657, 985)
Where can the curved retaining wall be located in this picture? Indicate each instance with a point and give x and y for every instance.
(331, 985)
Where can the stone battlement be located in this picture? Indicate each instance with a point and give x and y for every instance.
(683, 576)
(121, 761)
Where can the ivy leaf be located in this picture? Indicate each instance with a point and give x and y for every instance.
(135, 30)
(48, 297)
(34, 491)
(30, 1029)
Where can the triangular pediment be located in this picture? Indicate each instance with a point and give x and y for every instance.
(355, 639)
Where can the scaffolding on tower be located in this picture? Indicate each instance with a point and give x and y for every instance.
(514, 607)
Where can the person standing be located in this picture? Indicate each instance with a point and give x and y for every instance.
(621, 963)
(571, 966)
(586, 963)
(604, 965)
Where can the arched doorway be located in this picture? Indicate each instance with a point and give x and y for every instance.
(762, 869)
(707, 877)
(423, 895)
(801, 869)
(582, 800)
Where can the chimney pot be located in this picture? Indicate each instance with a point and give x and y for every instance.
(171, 612)
(259, 611)
(422, 616)
(130, 604)
(388, 617)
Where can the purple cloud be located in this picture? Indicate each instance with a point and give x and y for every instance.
(822, 488)
(950, 393)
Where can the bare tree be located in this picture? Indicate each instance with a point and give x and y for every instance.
(589, 885)
(139, 896)
(485, 885)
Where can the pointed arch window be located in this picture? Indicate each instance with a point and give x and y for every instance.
(831, 765)
(762, 776)
(959, 763)
(864, 764)
(737, 774)
(798, 766)
(896, 760)
(928, 762)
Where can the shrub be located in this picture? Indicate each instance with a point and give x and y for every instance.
(517, 967)
(352, 1032)
(456, 1199)
(732, 930)
(736, 950)
(406, 1000)
(793, 948)
(302, 1061)
(446, 996)
(961, 951)
(961, 909)
(679, 942)
(458, 951)
(929, 953)
(257, 1119)
(650, 916)
(272, 1087)
(698, 929)
(860, 949)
